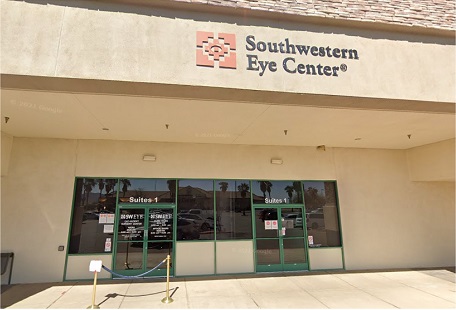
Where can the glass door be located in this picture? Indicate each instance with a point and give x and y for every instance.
(144, 238)
(280, 239)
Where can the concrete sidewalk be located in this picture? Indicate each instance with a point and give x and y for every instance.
(378, 289)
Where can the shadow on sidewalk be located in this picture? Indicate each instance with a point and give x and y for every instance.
(11, 294)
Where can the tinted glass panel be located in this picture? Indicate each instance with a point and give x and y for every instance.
(129, 255)
(268, 252)
(293, 251)
(157, 252)
(147, 191)
(195, 208)
(292, 222)
(266, 223)
(322, 217)
(93, 216)
(233, 210)
(276, 192)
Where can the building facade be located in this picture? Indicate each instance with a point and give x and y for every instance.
(236, 136)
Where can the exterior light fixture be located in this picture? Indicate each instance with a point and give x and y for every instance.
(149, 158)
(321, 148)
(276, 161)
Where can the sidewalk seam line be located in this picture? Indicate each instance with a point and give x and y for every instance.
(61, 295)
(362, 290)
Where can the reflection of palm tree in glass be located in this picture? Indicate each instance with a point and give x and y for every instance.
(243, 189)
(223, 186)
(172, 189)
(298, 190)
(126, 183)
(268, 188)
(110, 183)
(88, 186)
(265, 186)
(289, 189)
(101, 185)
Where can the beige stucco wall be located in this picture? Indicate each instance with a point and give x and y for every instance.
(6, 144)
(387, 220)
(36, 207)
(432, 162)
(114, 42)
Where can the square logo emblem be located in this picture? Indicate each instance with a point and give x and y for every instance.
(215, 50)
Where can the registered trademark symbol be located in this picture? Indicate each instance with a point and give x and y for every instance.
(343, 67)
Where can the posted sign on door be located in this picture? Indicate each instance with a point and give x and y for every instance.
(268, 225)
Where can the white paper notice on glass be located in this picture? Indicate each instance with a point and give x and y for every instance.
(283, 231)
(108, 245)
(108, 229)
(102, 218)
(311, 240)
(110, 218)
(275, 224)
(267, 224)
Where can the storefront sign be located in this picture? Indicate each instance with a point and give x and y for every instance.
(142, 200)
(220, 48)
(291, 64)
(160, 225)
(131, 226)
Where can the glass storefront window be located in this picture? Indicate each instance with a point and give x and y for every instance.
(147, 191)
(195, 207)
(94, 208)
(233, 209)
(129, 256)
(322, 216)
(276, 192)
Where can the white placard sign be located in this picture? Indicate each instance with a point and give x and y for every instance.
(311, 240)
(102, 218)
(267, 225)
(95, 265)
(108, 229)
(275, 224)
(110, 218)
(108, 245)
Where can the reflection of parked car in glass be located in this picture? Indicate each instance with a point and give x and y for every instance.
(205, 224)
(192, 211)
(187, 229)
(315, 220)
(90, 215)
(296, 218)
